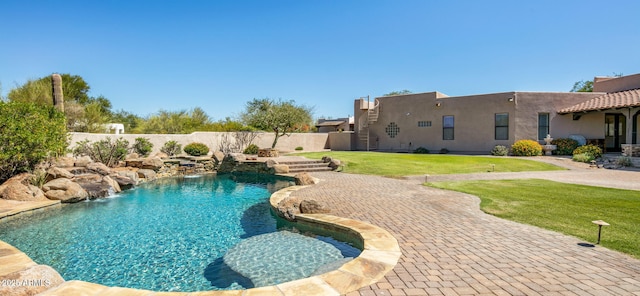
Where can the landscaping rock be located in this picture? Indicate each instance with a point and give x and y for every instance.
(132, 155)
(149, 175)
(64, 190)
(64, 162)
(161, 155)
(326, 159)
(40, 278)
(237, 157)
(96, 186)
(271, 163)
(19, 188)
(218, 156)
(288, 208)
(310, 206)
(124, 182)
(152, 163)
(281, 169)
(304, 179)
(334, 164)
(56, 173)
(131, 175)
(99, 168)
(83, 161)
(111, 182)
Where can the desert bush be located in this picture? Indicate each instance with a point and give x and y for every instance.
(565, 146)
(582, 157)
(104, 151)
(624, 161)
(251, 149)
(29, 133)
(299, 148)
(500, 150)
(592, 150)
(196, 149)
(171, 148)
(142, 146)
(421, 150)
(526, 148)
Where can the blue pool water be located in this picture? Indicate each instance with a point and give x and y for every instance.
(173, 234)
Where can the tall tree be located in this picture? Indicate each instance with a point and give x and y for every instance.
(280, 117)
(583, 86)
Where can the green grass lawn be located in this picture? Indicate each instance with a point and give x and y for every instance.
(405, 164)
(562, 207)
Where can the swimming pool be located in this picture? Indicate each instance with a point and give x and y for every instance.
(173, 234)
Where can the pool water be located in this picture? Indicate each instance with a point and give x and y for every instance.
(173, 234)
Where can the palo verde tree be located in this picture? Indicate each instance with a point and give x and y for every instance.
(280, 117)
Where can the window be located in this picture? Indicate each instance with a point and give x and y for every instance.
(447, 127)
(502, 126)
(424, 123)
(392, 130)
(543, 125)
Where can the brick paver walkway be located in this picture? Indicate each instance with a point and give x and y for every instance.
(450, 247)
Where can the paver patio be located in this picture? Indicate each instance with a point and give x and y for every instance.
(450, 247)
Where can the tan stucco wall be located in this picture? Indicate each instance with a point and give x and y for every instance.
(617, 84)
(308, 141)
(341, 141)
(474, 116)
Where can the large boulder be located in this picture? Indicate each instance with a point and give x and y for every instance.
(132, 155)
(131, 175)
(83, 161)
(96, 186)
(64, 190)
(99, 168)
(304, 179)
(288, 208)
(40, 277)
(20, 188)
(160, 155)
(152, 163)
(56, 173)
(311, 206)
(334, 164)
(123, 182)
(63, 162)
(149, 175)
(111, 182)
(218, 156)
(281, 169)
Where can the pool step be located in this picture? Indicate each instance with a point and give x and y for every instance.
(307, 166)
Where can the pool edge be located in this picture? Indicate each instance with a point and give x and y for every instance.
(380, 254)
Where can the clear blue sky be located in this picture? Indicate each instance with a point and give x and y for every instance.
(150, 55)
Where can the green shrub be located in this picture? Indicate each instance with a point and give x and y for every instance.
(565, 146)
(29, 133)
(500, 150)
(171, 148)
(624, 161)
(592, 150)
(421, 150)
(142, 146)
(582, 157)
(196, 149)
(104, 151)
(444, 151)
(526, 148)
(251, 149)
(299, 148)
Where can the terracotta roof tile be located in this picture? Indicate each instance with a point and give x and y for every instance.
(621, 99)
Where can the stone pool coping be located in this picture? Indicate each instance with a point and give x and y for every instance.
(379, 255)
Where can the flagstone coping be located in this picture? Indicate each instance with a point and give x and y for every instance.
(380, 254)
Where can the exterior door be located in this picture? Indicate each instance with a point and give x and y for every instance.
(615, 130)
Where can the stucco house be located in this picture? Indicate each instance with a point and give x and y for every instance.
(476, 123)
